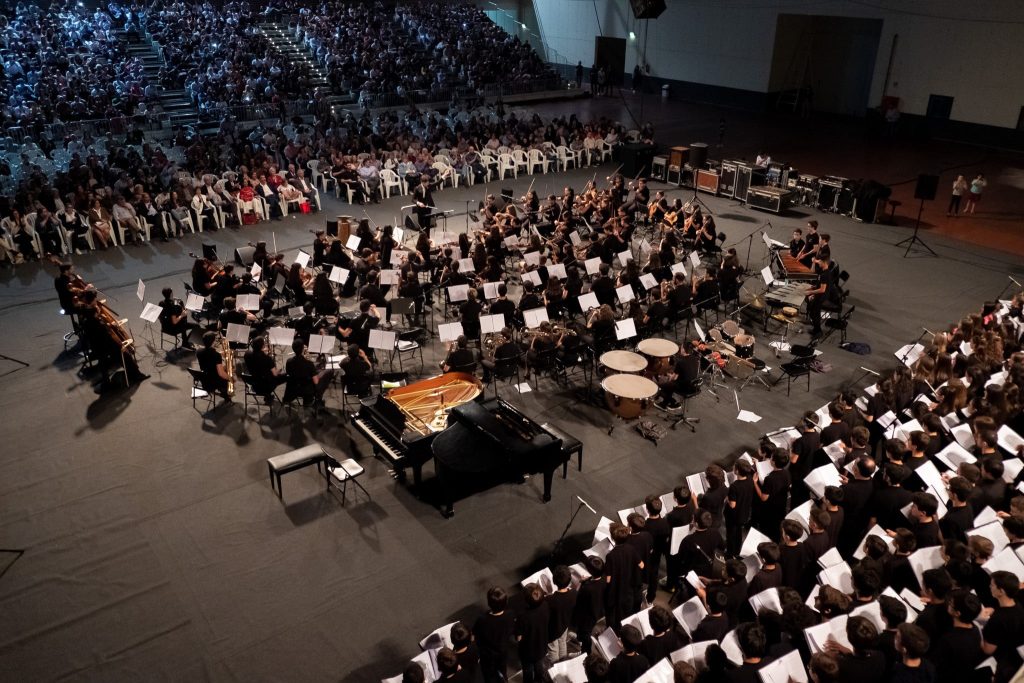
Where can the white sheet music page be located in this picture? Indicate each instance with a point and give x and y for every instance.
(150, 313)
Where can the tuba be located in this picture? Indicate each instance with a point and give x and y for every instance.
(229, 363)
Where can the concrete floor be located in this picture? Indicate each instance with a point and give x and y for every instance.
(154, 547)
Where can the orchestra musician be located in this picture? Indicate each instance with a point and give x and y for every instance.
(822, 292)
(106, 340)
(303, 380)
(796, 244)
(460, 357)
(810, 247)
(174, 319)
(682, 380)
(261, 368)
(358, 371)
(659, 208)
(211, 364)
(505, 350)
(424, 200)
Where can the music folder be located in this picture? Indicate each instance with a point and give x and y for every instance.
(322, 343)
(238, 334)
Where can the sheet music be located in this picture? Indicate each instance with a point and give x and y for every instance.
(458, 293)
(140, 291)
(338, 274)
(389, 277)
(625, 294)
(625, 257)
(679, 267)
(690, 614)
(649, 281)
(449, 332)
(593, 265)
(247, 302)
(533, 277)
(397, 256)
(588, 301)
(532, 258)
(352, 243)
(625, 329)
(574, 237)
(151, 313)
(322, 343)
(194, 302)
(466, 265)
(491, 290)
(694, 259)
(256, 271)
(767, 276)
(281, 336)
(557, 270)
(382, 339)
(238, 333)
(492, 323)
(302, 258)
(535, 316)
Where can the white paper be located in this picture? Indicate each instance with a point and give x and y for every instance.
(532, 258)
(398, 234)
(352, 242)
(625, 329)
(593, 265)
(535, 316)
(924, 559)
(491, 290)
(247, 302)
(766, 600)
(492, 323)
(322, 343)
(608, 644)
(662, 672)
(458, 293)
(754, 538)
(302, 258)
(838, 576)
(256, 271)
(909, 354)
(700, 333)
(281, 336)
(603, 530)
(963, 435)
(830, 558)
(557, 270)
(625, 257)
(569, 671)
(679, 267)
(993, 531)
(953, 455)
(731, 646)
(678, 534)
(523, 388)
(985, 516)
(533, 277)
(295, 312)
(397, 256)
(1006, 561)
(747, 416)
(818, 635)
(767, 276)
(929, 474)
(588, 301)
(878, 531)
(151, 313)
(599, 549)
(1009, 440)
(802, 514)
(763, 469)
(428, 661)
(382, 339)
(466, 265)
(441, 637)
(649, 281)
(641, 621)
(697, 484)
(1011, 469)
(140, 291)
(786, 669)
(194, 302)
(238, 334)
(784, 438)
(694, 259)
(449, 332)
(822, 477)
(389, 277)
(338, 275)
(543, 578)
(625, 293)
(912, 600)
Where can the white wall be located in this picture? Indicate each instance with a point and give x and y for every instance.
(729, 43)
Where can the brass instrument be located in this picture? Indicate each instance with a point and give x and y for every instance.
(492, 340)
(229, 363)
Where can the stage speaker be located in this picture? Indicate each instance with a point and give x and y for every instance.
(698, 155)
(210, 252)
(647, 9)
(636, 158)
(243, 255)
(927, 186)
(507, 194)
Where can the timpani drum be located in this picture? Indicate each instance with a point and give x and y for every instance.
(744, 344)
(628, 396)
(623, 362)
(659, 354)
(344, 228)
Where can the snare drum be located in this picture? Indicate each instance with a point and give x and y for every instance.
(628, 396)
(731, 330)
(623, 361)
(744, 346)
(659, 354)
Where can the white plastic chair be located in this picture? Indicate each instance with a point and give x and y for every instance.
(605, 151)
(537, 158)
(522, 161)
(507, 163)
(389, 180)
(446, 173)
(566, 156)
(317, 177)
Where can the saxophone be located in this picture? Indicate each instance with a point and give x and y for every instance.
(229, 363)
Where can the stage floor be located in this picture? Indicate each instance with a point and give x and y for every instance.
(154, 547)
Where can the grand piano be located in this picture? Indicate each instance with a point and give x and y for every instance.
(469, 441)
(492, 440)
(401, 424)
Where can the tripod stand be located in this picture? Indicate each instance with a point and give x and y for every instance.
(914, 239)
(580, 504)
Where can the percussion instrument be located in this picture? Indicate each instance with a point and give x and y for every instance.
(344, 228)
(744, 344)
(789, 311)
(628, 396)
(730, 329)
(659, 353)
(623, 361)
(792, 269)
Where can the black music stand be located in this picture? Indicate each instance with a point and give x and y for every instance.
(914, 239)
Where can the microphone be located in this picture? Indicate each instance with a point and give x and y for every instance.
(870, 371)
(586, 504)
(928, 331)
(1014, 281)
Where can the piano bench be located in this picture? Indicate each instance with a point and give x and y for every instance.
(570, 446)
(295, 460)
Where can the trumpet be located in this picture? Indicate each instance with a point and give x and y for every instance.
(492, 340)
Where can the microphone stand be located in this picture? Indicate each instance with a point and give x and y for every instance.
(572, 518)
(750, 243)
(1012, 281)
(906, 354)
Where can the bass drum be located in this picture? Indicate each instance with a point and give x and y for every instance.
(744, 344)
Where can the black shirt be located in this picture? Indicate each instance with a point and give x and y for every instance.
(835, 431)
(660, 531)
(792, 561)
(765, 579)
(657, 647)
(886, 505)
(493, 633)
(956, 522)
(589, 608)
(561, 606)
(860, 667)
(901, 673)
(532, 630)
(680, 516)
(955, 654)
(713, 501)
(209, 358)
(1005, 630)
(627, 668)
(259, 365)
(711, 627)
(927, 534)
(741, 493)
(300, 372)
(699, 547)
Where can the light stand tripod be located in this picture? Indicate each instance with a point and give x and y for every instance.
(914, 239)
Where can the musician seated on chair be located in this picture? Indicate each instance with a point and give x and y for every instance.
(358, 371)
(823, 293)
(357, 330)
(260, 366)
(810, 244)
(211, 364)
(506, 352)
(303, 380)
(729, 276)
(174, 319)
(797, 244)
(682, 380)
(460, 358)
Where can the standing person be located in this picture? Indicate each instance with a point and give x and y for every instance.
(589, 608)
(738, 507)
(532, 634)
(959, 187)
(561, 605)
(773, 493)
(493, 632)
(593, 79)
(579, 74)
(1002, 632)
(622, 575)
(638, 78)
(977, 187)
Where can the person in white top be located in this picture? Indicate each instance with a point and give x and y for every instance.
(959, 187)
(977, 186)
(124, 213)
(202, 207)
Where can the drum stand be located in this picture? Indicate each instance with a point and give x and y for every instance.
(714, 374)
